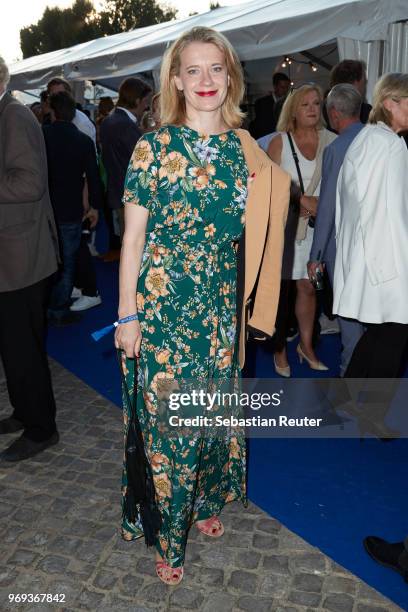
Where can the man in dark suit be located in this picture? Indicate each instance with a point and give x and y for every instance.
(71, 158)
(28, 255)
(343, 107)
(119, 134)
(266, 115)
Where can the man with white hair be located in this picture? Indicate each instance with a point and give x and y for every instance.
(28, 255)
(343, 108)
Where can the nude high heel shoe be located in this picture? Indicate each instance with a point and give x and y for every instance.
(282, 371)
(314, 365)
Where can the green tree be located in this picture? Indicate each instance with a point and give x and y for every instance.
(61, 28)
(214, 5)
(124, 15)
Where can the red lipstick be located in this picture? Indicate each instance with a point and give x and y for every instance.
(205, 94)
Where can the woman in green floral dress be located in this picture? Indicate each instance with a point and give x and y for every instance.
(185, 195)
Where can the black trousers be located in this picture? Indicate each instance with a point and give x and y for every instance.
(85, 275)
(283, 316)
(325, 297)
(379, 352)
(23, 352)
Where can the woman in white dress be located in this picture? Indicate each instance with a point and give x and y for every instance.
(301, 124)
(371, 269)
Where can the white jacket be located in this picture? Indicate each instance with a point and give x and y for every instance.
(371, 270)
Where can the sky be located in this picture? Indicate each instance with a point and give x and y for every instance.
(21, 13)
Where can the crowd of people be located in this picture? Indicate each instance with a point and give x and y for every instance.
(218, 239)
(53, 189)
(86, 167)
(314, 156)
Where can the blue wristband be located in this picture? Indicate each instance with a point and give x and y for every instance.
(132, 317)
(100, 333)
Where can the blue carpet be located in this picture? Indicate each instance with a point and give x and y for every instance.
(73, 347)
(333, 493)
(330, 492)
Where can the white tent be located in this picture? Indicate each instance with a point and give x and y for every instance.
(257, 29)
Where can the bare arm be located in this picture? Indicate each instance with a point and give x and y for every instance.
(308, 205)
(275, 149)
(128, 336)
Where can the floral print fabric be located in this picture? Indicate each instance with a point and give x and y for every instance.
(195, 189)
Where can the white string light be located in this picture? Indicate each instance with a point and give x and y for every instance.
(287, 61)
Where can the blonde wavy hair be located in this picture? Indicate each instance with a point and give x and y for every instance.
(287, 119)
(172, 103)
(392, 85)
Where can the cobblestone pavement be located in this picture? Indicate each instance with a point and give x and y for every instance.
(59, 517)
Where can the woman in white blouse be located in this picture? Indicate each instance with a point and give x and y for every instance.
(371, 270)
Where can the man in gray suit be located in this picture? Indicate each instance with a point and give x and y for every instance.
(28, 256)
(343, 107)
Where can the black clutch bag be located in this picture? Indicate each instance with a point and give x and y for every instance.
(140, 498)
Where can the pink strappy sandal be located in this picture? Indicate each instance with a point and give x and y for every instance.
(171, 576)
(211, 527)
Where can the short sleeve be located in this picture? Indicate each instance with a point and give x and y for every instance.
(141, 176)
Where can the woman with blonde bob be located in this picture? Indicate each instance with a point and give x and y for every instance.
(191, 187)
(371, 270)
(298, 149)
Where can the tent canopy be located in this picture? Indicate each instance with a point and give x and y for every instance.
(257, 29)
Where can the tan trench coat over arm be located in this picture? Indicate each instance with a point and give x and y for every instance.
(265, 218)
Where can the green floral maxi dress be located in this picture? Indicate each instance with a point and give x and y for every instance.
(195, 189)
